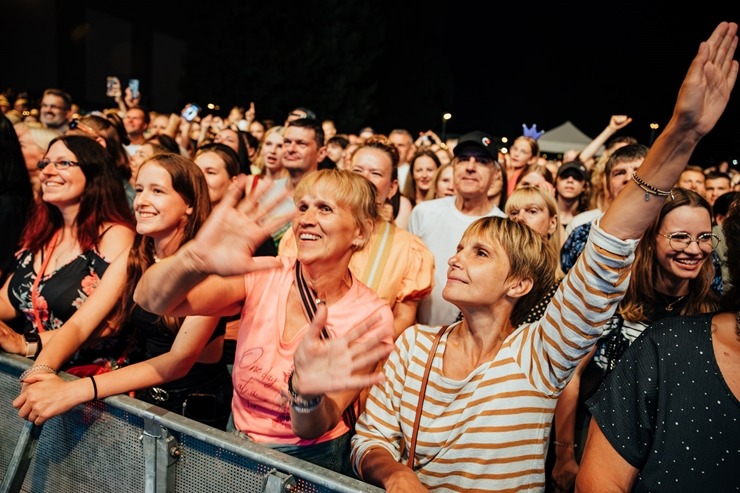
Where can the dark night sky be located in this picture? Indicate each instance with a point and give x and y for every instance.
(394, 64)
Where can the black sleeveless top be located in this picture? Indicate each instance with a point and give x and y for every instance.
(153, 338)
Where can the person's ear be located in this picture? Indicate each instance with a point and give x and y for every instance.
(519, 287)
(362, 234)
(553, 226)
(393, 190)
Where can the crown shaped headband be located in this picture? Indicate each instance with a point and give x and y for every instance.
(532, 132)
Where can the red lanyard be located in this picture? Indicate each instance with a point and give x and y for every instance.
(45, 258)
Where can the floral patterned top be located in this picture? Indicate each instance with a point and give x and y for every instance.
(61, 293)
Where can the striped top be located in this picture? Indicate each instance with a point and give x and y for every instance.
(490, 431)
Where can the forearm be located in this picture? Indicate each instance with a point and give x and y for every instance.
(316, 423)
(173, 125)
(59, 345)
(166, 284)
(404, 316)
(592, 148)
(378, 467)
(565, 415)
(631, 213)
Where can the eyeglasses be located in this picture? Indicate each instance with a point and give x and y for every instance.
(77, 124)
(62, 165)
(680, 241)
(483, 160)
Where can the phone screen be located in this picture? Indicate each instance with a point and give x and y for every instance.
(110, 85)
(190, 112)
(133, 84)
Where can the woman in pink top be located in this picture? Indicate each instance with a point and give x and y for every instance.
(216, 274)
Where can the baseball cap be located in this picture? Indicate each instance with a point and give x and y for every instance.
(575, 169)
(477, 139)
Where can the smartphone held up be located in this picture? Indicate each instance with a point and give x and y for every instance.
(190, 112)
(112, 86)
(133, 84)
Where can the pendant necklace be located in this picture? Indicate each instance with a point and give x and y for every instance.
(669, 306)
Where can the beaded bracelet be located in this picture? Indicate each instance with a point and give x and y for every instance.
(649, 189)
(298, 403)
(36, 368)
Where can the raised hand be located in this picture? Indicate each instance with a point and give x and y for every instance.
(337, 364)
(706, 89)
(250, 114)
(237, 226)
(618, 122)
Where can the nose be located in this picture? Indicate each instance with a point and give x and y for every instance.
(469, 164)
(454, 261)
(308, 216)
(693, 248)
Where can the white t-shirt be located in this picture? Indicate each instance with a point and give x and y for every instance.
(441, 225)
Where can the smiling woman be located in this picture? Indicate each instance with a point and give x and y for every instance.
(176, 361)
(79, 225)
(336, 212)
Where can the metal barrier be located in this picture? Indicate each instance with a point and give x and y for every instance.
(126, 445)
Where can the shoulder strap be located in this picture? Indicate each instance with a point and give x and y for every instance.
(308, 296)
(379, 255)
(100, 236)
(422, 391)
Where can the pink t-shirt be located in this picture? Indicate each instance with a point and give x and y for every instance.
(264, 360)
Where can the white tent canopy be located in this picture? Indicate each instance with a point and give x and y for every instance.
(563, 138)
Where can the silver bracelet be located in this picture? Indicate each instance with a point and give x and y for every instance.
(300, 404)
(306, 407)
(35, 368)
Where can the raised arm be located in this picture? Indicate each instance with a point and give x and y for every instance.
(616, 122)
(701, 100)
(222, 249)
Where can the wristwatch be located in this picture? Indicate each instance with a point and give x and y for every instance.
(33, 344)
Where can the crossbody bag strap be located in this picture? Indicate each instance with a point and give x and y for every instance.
(422, 391)
(308, 296)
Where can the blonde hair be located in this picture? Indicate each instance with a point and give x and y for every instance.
(530, 257)
(350, 190)
(258, 160)
(42, 136)
(525, 196)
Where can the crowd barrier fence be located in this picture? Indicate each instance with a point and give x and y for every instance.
(126, 445)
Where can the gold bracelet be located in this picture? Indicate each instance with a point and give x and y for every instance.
(649, 189)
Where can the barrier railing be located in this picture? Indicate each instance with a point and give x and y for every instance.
(126, 445)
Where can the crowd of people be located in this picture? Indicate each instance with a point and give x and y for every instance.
(421, 314)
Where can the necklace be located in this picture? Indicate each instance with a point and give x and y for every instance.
(669, 305)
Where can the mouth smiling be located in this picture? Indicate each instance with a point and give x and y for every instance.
(309, 237)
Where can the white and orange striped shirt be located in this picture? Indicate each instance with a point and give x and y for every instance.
(490, 431)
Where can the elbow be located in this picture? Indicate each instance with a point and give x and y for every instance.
(147, 301)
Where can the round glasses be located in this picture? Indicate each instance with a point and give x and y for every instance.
(680, 241)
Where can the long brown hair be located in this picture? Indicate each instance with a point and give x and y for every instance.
(103, 200)
(641, 296)
(189, 182)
